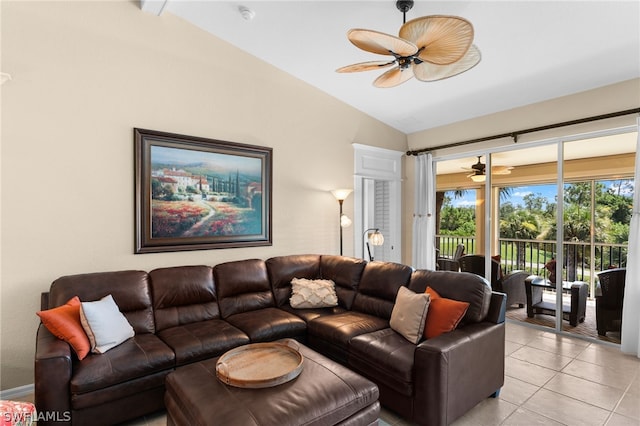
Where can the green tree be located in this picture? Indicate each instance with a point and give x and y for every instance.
(535, 202)
(521, 225)
(458, 221)
(160, 191)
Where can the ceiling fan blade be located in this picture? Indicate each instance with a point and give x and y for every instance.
(431, 72)
(501, 170)
(393, 77)
(366, 66)
(381, 43)
(442, 39)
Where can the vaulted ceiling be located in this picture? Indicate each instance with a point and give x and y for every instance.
(531, 50)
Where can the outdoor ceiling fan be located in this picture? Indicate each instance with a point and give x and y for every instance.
(430, 48)
(478, 171)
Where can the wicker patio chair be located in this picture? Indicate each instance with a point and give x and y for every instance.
(609, 300)
(474, 263)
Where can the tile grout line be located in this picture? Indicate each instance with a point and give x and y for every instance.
(556, 373)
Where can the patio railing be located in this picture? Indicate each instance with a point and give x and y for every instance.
(581, 260)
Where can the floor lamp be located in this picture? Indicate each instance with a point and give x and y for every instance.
(341, 195)
(375, 238)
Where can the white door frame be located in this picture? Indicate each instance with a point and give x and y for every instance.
(378, 164)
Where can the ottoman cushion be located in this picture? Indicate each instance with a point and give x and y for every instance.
(325, 393)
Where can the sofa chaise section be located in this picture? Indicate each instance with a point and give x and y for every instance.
(439, 379)
(456, 370)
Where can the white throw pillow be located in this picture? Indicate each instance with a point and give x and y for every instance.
(307, 294)
(409, 314)
(105, 325)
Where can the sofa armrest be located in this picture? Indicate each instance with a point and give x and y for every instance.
(53, 368)
(455, 371)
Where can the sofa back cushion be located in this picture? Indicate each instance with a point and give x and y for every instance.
(379, 286)
(283, 269)
(462, 286)
(242, 286)
(346, 272)
(182, 295)
(129, 289)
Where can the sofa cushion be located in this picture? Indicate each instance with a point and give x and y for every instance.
(282, 269)
(183, 295)
(201, 340)
(311, 294)
(378, 288)
(385, 357)
(462, 286)
(64, 323)
(265, 325)
(331, 334)
(104, 324)
(409, 314)
(130, 291)
(242, 286)
(444, 314)
(346, 273)
(139, 356)
(310, 314)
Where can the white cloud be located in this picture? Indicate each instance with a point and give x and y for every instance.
(464, 203)
(521, 194)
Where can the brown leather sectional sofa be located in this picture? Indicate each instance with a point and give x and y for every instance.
(186, 314)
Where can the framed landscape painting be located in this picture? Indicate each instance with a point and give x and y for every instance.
(194, 193)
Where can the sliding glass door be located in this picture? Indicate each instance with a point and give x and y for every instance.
(556, 210)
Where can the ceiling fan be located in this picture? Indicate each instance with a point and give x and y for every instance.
(430, 48)
(478, 171)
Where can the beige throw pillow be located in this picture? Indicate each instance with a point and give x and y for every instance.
(409, 314)
(105, 325)
(308, 294)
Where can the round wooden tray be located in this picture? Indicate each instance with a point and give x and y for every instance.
(259, 365)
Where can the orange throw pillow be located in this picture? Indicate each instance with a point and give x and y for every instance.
(443, 314)
(64, 323)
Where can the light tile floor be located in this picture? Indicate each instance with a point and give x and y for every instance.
(557, 380)
(549, 380)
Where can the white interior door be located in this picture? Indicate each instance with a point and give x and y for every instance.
(378, 201)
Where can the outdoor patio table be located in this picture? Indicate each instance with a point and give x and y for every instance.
(573, 312)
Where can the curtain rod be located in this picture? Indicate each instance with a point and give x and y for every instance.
(517, 133)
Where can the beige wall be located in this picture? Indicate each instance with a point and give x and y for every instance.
(84, 75)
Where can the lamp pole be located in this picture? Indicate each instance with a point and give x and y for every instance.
(367, 244)
(340, 221)
(341, 195)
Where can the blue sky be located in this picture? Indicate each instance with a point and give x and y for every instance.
(548, 191)
(180, 157)
(517, 197)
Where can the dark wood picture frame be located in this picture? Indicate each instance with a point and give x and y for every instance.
(194, 193)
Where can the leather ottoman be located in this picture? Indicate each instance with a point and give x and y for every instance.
(325, 393)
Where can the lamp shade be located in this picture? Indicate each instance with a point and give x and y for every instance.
(376, 239)
(341, 194)
(478, 178)
(345, 222)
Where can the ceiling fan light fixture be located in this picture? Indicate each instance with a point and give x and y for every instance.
(430, 48)
(479, 178)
